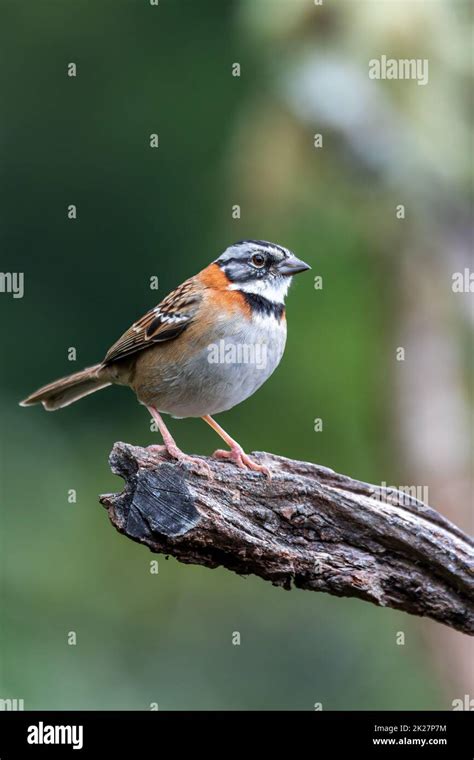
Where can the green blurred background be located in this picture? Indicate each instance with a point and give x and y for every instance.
(225, 140)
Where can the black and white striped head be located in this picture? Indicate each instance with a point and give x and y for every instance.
(261, 268)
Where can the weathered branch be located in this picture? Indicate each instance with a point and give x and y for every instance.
(307, 527)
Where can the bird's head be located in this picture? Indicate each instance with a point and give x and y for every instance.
(259, 267)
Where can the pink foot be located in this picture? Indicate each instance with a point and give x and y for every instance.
(202, 468)
(156, 447)
(241, 459)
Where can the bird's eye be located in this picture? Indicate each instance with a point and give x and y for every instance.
(258, 260)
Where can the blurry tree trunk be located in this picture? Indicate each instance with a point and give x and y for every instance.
(432, 415)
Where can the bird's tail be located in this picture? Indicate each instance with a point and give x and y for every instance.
(69, 389)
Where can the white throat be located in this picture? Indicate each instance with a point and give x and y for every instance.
(274, 290)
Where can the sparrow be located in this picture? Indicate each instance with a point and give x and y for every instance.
(209, 345)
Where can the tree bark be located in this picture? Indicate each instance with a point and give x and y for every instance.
(306, 527)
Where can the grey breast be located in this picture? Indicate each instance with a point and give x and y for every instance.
(226, 371)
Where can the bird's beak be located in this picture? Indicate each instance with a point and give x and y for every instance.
(292, 265)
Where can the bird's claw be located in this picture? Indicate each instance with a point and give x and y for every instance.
(198, 465)
(241, 459)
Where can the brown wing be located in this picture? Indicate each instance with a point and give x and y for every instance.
(165, 322)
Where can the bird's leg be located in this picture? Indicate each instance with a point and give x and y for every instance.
(236, 453)
(168, 440)
(172, 448)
